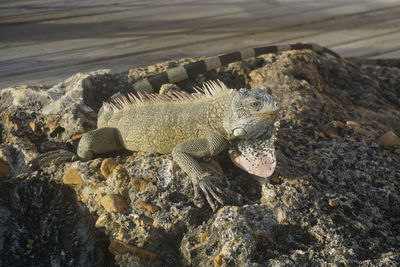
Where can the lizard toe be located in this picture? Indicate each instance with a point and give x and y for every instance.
(213, 193)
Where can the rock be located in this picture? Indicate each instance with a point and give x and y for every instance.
(218, 261)
(114, 203)
(33, 126)
(107, 167)
(329, 192)
(353, 124)
(72, 176)
(138, 184)
(334, 202)
(147, 206)
(389, 139)
(204, 236)
(119, 247)
(101, 221)
(5, 168)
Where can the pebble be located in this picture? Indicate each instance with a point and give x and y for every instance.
(114, 203)
(5, 168)
(119, 247)
(147, 206)
(101, 221)
(204, 236)
(353, 124)
(389, 139)
(138, 184)
(218, 261)
(33, 126)
(107, 167)
(334, 202)
(76, 136)
(72, 176)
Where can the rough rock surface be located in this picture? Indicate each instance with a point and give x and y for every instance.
(334, 197)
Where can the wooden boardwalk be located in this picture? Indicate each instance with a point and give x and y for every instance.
(45, 41)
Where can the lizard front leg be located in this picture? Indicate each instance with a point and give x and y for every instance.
(184, 155)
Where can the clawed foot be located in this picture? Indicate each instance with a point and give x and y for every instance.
(214, 190)
(56, 157)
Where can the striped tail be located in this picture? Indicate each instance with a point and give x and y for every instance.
(191, 70)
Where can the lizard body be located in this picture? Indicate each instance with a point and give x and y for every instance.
(189, 126)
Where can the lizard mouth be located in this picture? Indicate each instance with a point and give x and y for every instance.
(267, 114)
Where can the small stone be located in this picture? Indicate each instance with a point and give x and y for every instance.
(33, 126)
(353, 124)
(389, 139)
(280, 215)
(114, 203)
(204, 236)
(72, 176)
(101, 221)
(77, 136)
(107, 167)
(218, 261)
(5, 168)
(333, 202)
(50, 123)
(138, 184)
(147, 206)
(119, 247)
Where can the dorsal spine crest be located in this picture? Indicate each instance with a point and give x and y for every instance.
(209, 89)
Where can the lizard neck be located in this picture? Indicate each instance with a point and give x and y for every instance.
(214, 112)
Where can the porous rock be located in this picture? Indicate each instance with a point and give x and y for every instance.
(72, 176)
(114, 203)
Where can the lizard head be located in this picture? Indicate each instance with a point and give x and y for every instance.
(252, 114)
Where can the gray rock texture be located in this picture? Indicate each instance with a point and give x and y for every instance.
(334, 199)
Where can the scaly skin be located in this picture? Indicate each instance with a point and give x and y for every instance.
(188, 126)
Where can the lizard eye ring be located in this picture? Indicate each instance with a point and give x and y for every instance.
(255, 104)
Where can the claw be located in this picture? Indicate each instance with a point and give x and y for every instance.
(214, 195)
(57, 156)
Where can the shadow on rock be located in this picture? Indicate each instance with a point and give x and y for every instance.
(41, 224)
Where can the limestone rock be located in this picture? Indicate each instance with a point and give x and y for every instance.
(73, 177)
(114, 203)
(389, 139)
(107, 166)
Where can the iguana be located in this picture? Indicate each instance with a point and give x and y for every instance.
(195, 125)
(189, 126)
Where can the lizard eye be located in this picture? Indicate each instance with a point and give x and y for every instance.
(255, 104)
